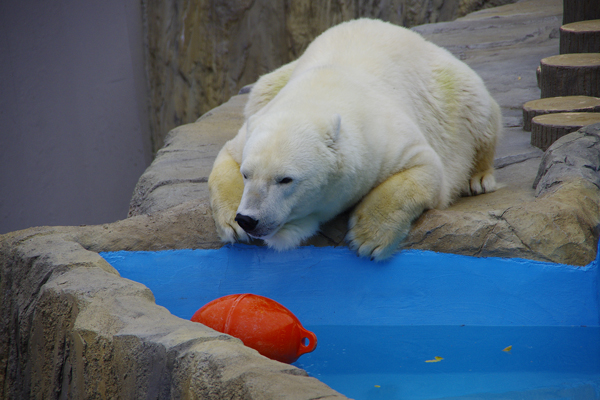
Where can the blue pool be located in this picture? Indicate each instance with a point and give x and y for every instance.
(380, 326)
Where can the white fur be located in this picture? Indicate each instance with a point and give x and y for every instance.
(371, 116)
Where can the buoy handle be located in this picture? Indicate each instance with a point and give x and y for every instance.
(307, 347)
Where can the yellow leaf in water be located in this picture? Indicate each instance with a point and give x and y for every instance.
(435, 359)
(509, 348)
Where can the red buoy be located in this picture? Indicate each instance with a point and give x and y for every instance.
(261, 323)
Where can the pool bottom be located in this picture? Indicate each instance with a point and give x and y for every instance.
(446, 362)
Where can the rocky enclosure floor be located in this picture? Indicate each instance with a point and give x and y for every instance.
(557, 222)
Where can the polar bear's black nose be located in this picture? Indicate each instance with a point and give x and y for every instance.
(247, 223)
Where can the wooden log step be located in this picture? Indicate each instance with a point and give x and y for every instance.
(570, 75)
(546, 129)
(553, 105)
(580, 10)
(580, 37)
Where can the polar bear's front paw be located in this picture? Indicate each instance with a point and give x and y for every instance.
(383, 218)
(376, 238)
(227, 229)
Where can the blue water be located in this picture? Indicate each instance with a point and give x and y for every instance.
(389, 362)
(377, 323)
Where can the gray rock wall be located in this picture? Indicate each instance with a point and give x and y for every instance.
(201, 52)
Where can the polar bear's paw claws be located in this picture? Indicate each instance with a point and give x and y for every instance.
(482, 182)
(239, 235)
(375, 242)
(378, 253)
(371, 250)
(231, 233)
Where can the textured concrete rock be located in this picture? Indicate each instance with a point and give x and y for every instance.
(180, 170)
(574, 156)
(70, 327)
(201, 52)
(561, 227)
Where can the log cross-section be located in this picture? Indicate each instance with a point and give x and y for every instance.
(553, 105)
(580, 37)
(570, 75)
(546, 129)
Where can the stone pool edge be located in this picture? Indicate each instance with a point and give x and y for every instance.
(72, 327)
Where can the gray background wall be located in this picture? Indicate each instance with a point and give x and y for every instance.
(73, 111)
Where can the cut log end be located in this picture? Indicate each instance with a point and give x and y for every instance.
(580, 37)
(553, 105)
(571, 61)
(546, 129)
(570, 75)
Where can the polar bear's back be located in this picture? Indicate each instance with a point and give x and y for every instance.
(444, 97)
(415, 72)
(376, 47)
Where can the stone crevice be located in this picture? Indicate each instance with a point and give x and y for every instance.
(171, 182)
(506, 161)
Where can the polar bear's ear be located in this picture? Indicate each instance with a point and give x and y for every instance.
(335, 129)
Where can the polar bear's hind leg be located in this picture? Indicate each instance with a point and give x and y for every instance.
(482, 180)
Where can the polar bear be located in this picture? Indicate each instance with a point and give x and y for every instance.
(371, 116)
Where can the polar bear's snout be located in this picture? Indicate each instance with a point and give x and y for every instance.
(246, 223)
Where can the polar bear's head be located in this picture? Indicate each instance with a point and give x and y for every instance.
(287, 165)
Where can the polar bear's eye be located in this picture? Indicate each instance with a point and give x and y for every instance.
(285, 180)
